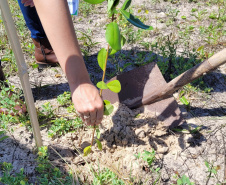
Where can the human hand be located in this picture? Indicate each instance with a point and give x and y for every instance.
(88, 103)
(28, 3)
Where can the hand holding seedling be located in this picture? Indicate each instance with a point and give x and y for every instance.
(115, 42)
(88, 103)
(60, 32)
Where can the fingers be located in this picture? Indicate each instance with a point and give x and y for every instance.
(100, 113)
(87, 118)
(93, 117)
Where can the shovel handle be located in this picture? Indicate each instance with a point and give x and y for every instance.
(185, 78)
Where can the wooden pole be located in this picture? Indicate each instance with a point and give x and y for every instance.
(22, 69)
(185, 78)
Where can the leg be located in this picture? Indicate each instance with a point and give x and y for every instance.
(44, 53)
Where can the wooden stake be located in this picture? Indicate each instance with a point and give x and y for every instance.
(22, 69)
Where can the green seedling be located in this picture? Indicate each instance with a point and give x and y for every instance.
(185, 102)
(64, 99)
(2, 137)
(184, 180)
(61, 126)
(212, 170)
(17, 179)
(115, 42)
(49, 174)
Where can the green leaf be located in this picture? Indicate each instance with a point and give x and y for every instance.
(22, 182)
(113, 52)
(87, 150)
(126, 4)
(123, 40)
(102, 85)
(99, 145)
(101, 58)
(200, 48)
(114, 86)
(2, 138)
(184, 100)
(179, 182)
(112, 5)
(98, 133)
(94, 1)
(107, 102)
(113, 36)
(108, 109)
(135, 21)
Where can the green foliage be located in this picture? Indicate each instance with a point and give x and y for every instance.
(48, 173)
(99, 145)
(113, 36)
(87, 150)
(185, 102)
(62, 126)
(126, 4)
(114, 86)
(2, 137)
(108, 107)
(102, 85)
(147, 156)
(94, 1)
(9, 97)
(8, 179)
(135, 21)
(101, 58)
(106, 176)
(47, 112)
(64, 99)
(184, 180)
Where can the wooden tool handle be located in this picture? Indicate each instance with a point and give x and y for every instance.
(183, 79)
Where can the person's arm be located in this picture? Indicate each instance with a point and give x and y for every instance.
(57, 23)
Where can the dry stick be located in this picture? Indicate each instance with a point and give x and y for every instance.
(105, 66)
(22, 69)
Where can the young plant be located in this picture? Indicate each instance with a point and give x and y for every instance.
(7, 178)
(115, 42)
(2, 137)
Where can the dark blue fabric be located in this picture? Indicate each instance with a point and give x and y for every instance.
(32, 21)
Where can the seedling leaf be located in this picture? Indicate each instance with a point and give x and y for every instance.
(98, 133)
(102, 85)
(200, 48)
(113, 36)
(101, 58)
(123, 40)
(135, 21)
(111, 5)
(126, 4)
(94, 1)
(87, 150)
(107, 102)
(113, 52)
(114, 86)
(108, 109)
(99, 145)
(184, 101)
(2, 138)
